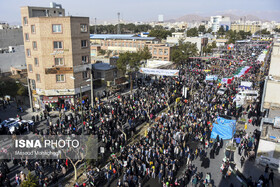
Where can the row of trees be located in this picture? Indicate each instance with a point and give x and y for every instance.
(124, 28)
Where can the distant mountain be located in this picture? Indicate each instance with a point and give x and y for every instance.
(247, 17)
(198, 18)
(188, 18)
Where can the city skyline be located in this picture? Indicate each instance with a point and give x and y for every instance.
(145, 11)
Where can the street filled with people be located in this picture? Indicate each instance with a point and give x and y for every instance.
(178, 134)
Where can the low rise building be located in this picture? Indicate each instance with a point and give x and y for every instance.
(114, 44)
(253, 28)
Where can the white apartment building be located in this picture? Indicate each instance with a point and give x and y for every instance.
(217, 21)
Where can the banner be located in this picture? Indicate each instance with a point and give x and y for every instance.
(211, 78)
(162, 72)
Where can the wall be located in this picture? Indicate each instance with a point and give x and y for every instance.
(11, 37)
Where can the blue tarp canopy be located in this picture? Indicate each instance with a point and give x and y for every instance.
(225, 128)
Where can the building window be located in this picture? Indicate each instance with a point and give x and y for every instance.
(57, 45)
(160, 52)
(85, 75)
(83, 43)
(34, 44)
(25, 21)
(26, 35)
(85, 59)
(60, 78)
(155, 51)
(30, 68)
(56, 28)
(58, 61)
(33, 30)
(84, 28)
(115, 74)
(36, 62)
(165, 52)
(38, 79)
(33, 84)
(28, 53)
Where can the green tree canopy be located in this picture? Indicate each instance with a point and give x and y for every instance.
(276, 30)
(263, 32)
(221, 31)
(209, 30)
(31, 181)
(145, 53)
(202, 29)
(183, 51)
(160, 33)
(210, 47)
(192, 32)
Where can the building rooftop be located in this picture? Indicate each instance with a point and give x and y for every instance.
(8, 60)
(119, 37)
(102, 66)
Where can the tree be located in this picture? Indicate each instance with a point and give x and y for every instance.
(160, 33)
(183, 51)
(145, 53)
(202, 29)
(109, 52)
(210, 47)
(209, 30)
(31, 181)
(221, 31)
(244, 35)
(129, 63)
(192, 32)
(276, 30)
(102, 52)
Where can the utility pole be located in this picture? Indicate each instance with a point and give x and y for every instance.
(95, 30)
(82, 110)
(91, 87)
(119, 29)
(30, 94)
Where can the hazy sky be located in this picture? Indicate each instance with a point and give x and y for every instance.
(146, 10)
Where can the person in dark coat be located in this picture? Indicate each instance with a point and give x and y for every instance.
(217, 150)
(221, 143)
(206, 162)
(212, 154)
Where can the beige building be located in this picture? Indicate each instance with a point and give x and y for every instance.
(119, 43)
(241, 27)
(57, 50)
(272, 86)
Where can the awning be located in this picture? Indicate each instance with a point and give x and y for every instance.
(65, 96)
(50, 99)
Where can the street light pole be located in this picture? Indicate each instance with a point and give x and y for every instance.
(82, 109)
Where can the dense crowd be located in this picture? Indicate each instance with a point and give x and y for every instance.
(173, 140)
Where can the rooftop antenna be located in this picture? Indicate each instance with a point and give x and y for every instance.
(95, 32)
(119, 29)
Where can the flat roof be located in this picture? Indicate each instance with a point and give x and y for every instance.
(119, 37)
(102, 66)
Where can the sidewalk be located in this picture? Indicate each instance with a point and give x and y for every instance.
(250, 168)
